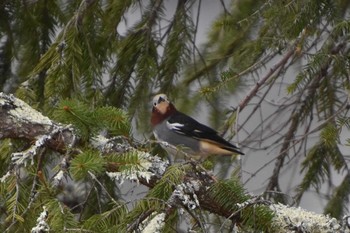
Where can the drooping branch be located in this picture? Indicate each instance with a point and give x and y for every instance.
(264, 79)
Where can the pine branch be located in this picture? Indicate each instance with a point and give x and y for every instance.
(196, 190)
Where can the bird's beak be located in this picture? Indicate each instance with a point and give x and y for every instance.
(160, 100)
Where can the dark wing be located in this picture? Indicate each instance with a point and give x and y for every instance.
(186, 125)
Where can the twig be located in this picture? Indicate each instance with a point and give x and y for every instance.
(264, 79)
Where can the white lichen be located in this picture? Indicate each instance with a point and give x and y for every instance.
(99, 141)
(153, 224)
(21, 158)
(117, 144)
(132, 175)
(4, 177)
(41, 224)
(346, 221)
(185, 193)
(144, 160)
(120, 176)
(249, 202)
(158, 166)
(242, 205)
(194, 184)
(23, 111)
(58, 178)
(146, 175)
(289, 219)
(146, 167)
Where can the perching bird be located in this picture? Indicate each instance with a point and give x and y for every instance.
(184, 133)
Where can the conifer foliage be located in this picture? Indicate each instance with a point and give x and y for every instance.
(79, 76)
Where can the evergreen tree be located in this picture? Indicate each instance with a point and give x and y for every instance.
(288, 62)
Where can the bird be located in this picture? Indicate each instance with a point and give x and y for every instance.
(178, 132)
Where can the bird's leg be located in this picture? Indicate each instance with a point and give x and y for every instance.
(195, 163)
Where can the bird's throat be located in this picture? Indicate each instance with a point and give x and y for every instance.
(162, 112)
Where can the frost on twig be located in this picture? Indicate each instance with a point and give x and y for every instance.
(41, 224)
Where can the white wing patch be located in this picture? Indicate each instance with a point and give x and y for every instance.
(175, 126)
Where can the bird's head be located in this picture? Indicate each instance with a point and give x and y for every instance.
(160, 100)
(162, 109)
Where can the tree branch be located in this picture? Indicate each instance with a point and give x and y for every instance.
(196, 191)
(263, 80)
